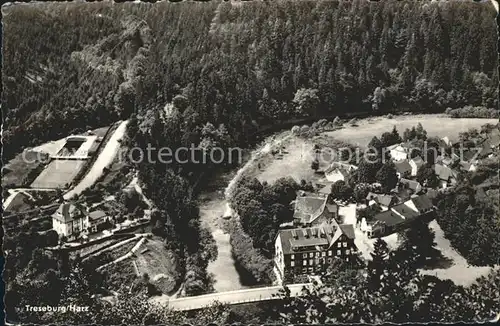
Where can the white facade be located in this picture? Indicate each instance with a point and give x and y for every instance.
(398, 152)
(68, 228)
(334, 176)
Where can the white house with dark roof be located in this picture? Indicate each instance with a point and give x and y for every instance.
(310, 250)
(69, 220)
(72, 220)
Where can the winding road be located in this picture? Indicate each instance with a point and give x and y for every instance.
(105, 159)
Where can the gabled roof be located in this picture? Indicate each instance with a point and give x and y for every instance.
(326, 189)
(67, 212)
(418, 161)
(348, 230)
(403, 147)
(410, 184)
(345, 166)
(342, 171)
(443, 172)
(389, 218)
(403, 166)
(386, 200)
(308, 208)
(322, 236)
(306, 237)
(422, 203)
(96, 215)
(486, 148)
(405, 211)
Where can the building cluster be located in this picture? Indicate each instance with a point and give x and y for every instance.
(314, 238)
(72, 220)
(309, 243)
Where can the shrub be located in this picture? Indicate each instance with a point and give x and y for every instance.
(473, 112)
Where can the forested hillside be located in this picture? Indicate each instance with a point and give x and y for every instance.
(242, 64)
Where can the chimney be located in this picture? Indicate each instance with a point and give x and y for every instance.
(294, 234)
(304, 232)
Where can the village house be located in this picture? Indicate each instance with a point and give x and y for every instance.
(398, 217)
(384, 201)
(72, 220)
(486, 149)
(447, 176)
(398, 152)
(446, 160)
(338, 171)
(311, 210)
(416, 163)
(310, 250)
(403, 168)
(421, 204)
(69, 220)
(325, 189)
(96, 221)
(412, 185)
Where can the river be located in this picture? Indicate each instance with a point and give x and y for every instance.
(214, 205)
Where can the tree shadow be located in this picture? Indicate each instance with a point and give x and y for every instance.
(437, 261)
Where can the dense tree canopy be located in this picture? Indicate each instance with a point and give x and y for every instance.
(86, 65)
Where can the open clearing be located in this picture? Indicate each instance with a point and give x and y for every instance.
(435, 125)
(58, 174)
(295, 162)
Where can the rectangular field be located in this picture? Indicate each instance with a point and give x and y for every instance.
(58, 174)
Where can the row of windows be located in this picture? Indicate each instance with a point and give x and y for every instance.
(313, 262)
(320, 254)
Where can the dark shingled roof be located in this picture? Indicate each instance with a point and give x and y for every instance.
(348, 230)
(422, 203)
(323, 236)
(389, 218)
(95, 215)
(411, 184)
(288, 242)
(386, 200)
